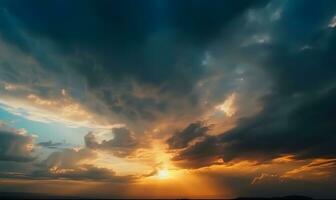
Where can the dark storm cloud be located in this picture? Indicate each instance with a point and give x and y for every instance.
(298, 114)
(200, 154)
(146, 41)
(85, 172)
(50, 144)
(70, 164)
(203, 21)
(181, 138)
(15, 145)
(95, 24)
(16, 160)
(307, 132)
(122, 144)
(108, 44)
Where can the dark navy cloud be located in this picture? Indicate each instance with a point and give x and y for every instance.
(15, 145)
(181, 138)
(100, 50)
(153, 42)
(297, 116)
(68, 164)
(307, 131)
(203, 153)
(51, 145)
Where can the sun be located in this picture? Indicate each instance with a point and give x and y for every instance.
(163, 174)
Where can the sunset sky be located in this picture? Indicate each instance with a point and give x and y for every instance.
(168, 98)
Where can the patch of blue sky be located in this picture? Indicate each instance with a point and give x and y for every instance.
(54, 131)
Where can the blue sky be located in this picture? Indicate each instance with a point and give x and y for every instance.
(55, 132)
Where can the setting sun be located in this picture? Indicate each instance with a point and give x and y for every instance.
(163, 174)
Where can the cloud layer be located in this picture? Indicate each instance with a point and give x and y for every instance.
(16, 145)
(236, 93)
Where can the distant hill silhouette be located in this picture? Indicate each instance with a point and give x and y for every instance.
(292, 197)
(26, 195)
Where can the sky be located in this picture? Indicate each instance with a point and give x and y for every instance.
(168, 98)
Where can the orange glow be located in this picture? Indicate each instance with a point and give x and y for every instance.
(179, 183)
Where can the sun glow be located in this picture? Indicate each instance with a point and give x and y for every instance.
(163, 174)
(228, 106)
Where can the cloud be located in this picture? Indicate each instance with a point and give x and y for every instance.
(67, 158)
(296, 112)
(26, 92)
(301, 130)
(181, 139)
(62, 109)
(114, 22)
(116, 55)
(50, 144)
(332, 23)
(85, 172)
(66, 163)
(15, 145)
(228, 106)
(264, 177)
(122, 144)
(318, 169)
(261, 71)
(305, 131)
(71, 164)
(203, 153)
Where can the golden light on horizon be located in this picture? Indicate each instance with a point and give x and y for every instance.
(181, 183)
